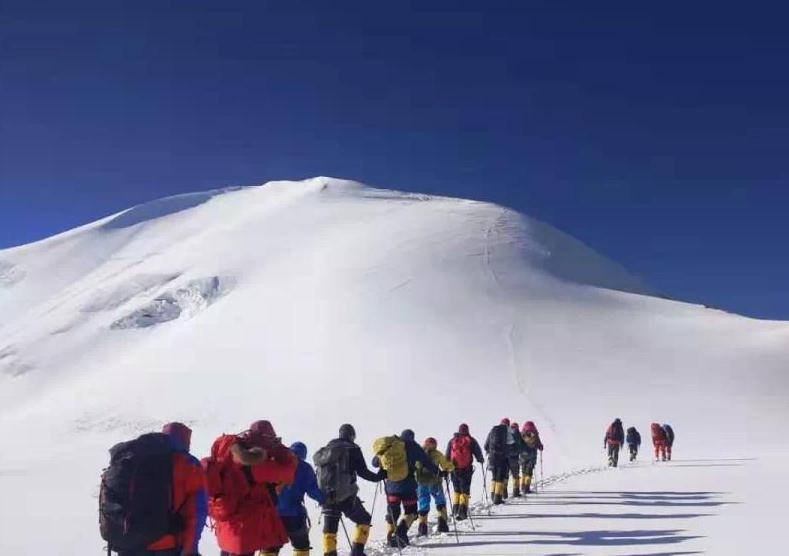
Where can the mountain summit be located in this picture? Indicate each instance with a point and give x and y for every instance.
(325, 301)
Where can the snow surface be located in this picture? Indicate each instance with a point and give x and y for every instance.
(325, 301)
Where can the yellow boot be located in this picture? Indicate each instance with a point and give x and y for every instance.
(464, 500)
(516, 486)
(360, 536)
(527, 483)
(330, 544)
(498, 492)
(457, 500)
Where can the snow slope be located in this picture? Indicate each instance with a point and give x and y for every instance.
(324, 301)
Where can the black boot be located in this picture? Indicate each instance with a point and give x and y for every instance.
(357, 549)
(498, 499)
(443, 526)
(463, 512)
(422, 529)
(456, 510)
(401, 535)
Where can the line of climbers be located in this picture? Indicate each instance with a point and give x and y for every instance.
(615, 438)
(512, 453)
(155, 497)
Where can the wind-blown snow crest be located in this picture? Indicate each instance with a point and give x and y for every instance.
(325, 301)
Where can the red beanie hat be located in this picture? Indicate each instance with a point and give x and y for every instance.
(262, 428)
(180, 433)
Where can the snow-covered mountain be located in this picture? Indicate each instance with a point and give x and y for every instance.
(324, 301)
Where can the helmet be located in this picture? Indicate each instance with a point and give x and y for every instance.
(300, 449)
(347, 432)
(407, 435)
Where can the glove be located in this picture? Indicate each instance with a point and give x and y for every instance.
(444, 474)
(382, 474)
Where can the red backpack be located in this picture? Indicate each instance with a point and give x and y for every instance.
(460, 452)
(226, 484)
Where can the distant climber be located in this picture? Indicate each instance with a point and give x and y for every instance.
(398, 456)
(337, 465)
(496, 449)
(659, 441)
(430, 486)
(633, 440)
(669, 440)
(532, 445)
(290, 505)
(514, 450)
(462, 450)
(614, 439)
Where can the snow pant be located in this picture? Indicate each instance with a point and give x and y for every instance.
(613, 454)
(528, 463)
(398, 532)
(660, 450)
(633, 451)
(354, 510)
(461, 480)
(461, 484)
(499, 467)
(298, 533)
(424, 494)
(668, 451)
(514, 463)
(165, 552)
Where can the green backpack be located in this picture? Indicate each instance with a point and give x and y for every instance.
(391, 453)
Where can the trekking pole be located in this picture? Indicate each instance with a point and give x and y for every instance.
(471, 520)
(375, 497)
(347, 537)
(454, 521)
(485, 485)
(397, 539)
(542, 471)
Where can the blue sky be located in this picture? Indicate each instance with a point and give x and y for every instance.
(658, 135)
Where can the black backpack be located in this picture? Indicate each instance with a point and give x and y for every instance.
(135, 500)
(333, 470)
(497, 440)
(669, 434)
